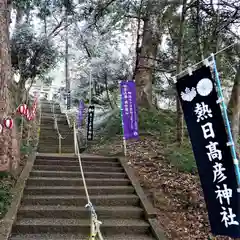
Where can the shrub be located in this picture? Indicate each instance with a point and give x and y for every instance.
(5, 196)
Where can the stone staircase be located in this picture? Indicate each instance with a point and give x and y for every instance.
(53, 201)
(48, 141)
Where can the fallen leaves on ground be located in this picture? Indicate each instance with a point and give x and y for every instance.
(177, 196)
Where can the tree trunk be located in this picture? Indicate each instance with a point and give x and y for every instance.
(20, 92)
(107, 91)
(180, 125)
(198, 31)
(234, 107)
(19, 16)
(45, 25)
(67, 80)
(147, 56)
(5, 71)
(138, 49)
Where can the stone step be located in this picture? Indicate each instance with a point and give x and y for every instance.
(78, 190)
(54, 142)
(47, 135)
(73, 157)
(71, 174)
(47, 143)
(45, 132)
(60, 122)
(49, 116)
(45, 122)
(48, 110)
(56, 225)
(48, 181)
(74, 168)
(76, 163)
(54, 136)
(54, 139)
(79, 237)
(62, 126)
(55, 150)
(46, 119)
(55, 145)
(58, 211)
(77, 200)
(50, 127)
(48, 124)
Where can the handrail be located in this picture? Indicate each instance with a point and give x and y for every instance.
(56, 127)
(75, 138)
(68, 121)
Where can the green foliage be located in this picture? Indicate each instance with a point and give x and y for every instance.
(5, 196)
(31, 56)
(26, 149)
(18, 121)
(181, 157)
(160, 122)
(23, 4)
(111, 127)
(163, 125)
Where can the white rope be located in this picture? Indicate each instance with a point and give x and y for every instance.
(95, 223)
(40, 118)
(56, 127)
(195, 65)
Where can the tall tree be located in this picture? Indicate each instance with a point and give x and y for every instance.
(147, 54)
(180, 126)
(234, 106)
(5, 78)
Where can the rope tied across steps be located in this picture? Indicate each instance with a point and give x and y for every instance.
(95, 223)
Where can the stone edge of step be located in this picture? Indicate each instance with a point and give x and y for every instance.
(78, 237)
(17, 192)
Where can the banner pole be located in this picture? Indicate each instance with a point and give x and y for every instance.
(225, 116)
(90, 86)
(121, 108)
(125, 146)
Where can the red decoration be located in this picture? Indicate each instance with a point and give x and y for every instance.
(29, 117)
(22, 109)
(27, 114)
(8, 123)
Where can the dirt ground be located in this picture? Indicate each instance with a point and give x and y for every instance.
(177, 196)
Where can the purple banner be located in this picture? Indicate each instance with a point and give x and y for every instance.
(80, 113)
(129, 109)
